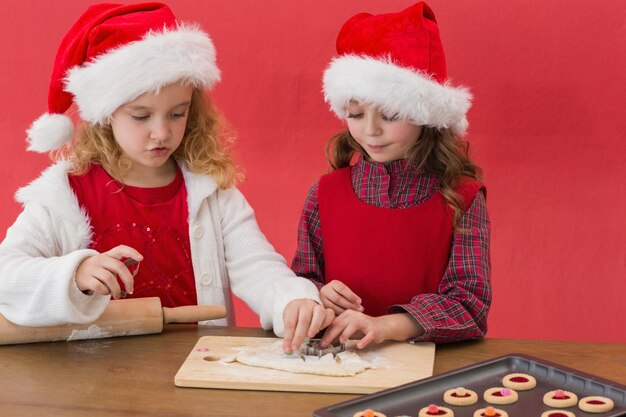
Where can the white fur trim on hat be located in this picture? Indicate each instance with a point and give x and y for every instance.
(412, 95)
(48, 132)
(123, 74)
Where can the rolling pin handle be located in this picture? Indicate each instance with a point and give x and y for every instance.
(190, 314)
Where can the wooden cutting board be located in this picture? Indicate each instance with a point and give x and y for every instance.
(397, 363)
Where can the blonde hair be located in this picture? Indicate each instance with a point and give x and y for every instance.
(436, 151)
(204, 148)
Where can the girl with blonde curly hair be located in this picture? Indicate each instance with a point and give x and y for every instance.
(148, 180)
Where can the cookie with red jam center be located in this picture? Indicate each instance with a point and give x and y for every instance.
(519, 381)
(596, 404)
(500, 395)
(560, 398)
(434, 410)
(490, 412)
(368, 413)
(460, 396)
(557, 413)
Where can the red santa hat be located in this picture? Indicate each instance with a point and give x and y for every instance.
(396, 62)
(111, 55)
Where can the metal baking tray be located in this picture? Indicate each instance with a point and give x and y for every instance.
(409, 398)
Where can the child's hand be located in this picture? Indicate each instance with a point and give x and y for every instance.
(354, 323)
(304, 318)
(99, 273)
(337, 296)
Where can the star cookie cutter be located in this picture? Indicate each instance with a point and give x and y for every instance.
(311, 347)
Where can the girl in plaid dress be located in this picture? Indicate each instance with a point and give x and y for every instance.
(397, 235)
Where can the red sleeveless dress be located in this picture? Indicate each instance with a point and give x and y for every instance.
(386, 256)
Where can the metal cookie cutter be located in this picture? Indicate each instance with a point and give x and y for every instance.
(311, 347)
(130, 262)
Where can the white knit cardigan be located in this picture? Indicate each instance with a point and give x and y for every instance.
(51, 237)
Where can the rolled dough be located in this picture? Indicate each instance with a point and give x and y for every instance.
(346, 363)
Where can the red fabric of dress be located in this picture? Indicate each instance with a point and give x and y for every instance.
(151, 220)
(386, 256)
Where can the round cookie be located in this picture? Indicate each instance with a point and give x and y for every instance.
(596, 404)
(460, 396)
(519, 382)
(560, 399)
(500, 396)
(435, 410)
(490, 412)
(557, 413)
(368, 413)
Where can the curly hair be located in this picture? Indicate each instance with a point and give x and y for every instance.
(204, 148)
(436, 151)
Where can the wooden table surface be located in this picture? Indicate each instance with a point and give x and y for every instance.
(134, 376)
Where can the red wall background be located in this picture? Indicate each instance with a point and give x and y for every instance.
(547, 126)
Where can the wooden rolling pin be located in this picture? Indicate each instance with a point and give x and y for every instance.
(121, 318)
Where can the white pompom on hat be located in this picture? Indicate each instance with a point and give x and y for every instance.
(49, 131)
(111, 55)
(396, 62)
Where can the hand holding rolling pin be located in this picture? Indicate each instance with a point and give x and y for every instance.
(98, 274)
